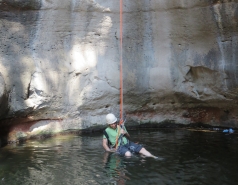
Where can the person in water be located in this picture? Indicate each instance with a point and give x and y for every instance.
(111, 137)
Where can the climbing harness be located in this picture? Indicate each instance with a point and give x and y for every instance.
(119, 139)
(108, 141)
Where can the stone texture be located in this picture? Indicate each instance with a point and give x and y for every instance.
(3, 98)
(59, 60)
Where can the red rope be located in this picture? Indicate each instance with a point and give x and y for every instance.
(121, 74)
(121, 62)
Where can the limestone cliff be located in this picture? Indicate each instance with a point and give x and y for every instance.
(59, 63)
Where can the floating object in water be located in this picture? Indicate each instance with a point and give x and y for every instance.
(228, 131)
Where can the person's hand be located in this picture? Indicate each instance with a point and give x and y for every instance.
(112, 150)
(123, 131)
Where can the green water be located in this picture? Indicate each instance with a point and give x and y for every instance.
(185, 158)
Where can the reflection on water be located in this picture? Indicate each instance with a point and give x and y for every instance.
(114, 168)
(186, 157)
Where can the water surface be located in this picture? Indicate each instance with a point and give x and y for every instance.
(185, 157)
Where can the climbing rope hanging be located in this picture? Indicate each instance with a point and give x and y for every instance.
(121, 76)
(121, 63)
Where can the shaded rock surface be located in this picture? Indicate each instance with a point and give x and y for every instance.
(59, 63)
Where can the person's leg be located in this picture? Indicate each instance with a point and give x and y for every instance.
(128, 154)
(145, 152)
(124, 151)
(139, 149)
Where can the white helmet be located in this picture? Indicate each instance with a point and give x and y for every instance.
(111, 118)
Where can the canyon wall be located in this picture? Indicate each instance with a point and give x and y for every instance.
(60, 63)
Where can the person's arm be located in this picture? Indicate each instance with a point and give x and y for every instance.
(125, 133)
(105, 146)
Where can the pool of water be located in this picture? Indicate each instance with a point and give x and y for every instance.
(186, 157)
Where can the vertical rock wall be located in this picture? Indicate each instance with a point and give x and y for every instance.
(59, 62)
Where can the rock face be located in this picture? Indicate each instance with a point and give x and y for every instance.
(59, 63)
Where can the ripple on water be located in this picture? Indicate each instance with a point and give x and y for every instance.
(185, 157)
